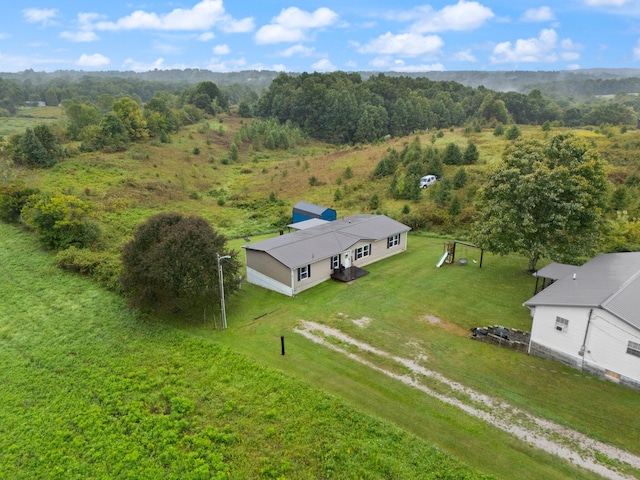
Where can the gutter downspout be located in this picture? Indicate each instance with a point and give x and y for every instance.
(583, 348)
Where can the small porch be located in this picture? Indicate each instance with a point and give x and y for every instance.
(348, 274)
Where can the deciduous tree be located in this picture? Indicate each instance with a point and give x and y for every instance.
(544, 200)
(171, 263)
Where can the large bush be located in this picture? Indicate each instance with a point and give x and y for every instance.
(171, 263)
(13, 198)
(60, 221)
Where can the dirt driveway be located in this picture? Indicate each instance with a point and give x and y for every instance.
(548, 436)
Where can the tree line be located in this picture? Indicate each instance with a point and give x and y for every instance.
(343, 108)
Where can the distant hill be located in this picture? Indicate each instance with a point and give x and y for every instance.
(577, 83)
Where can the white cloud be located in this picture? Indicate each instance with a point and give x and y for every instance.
(4, 35)
(573, 66)
(238, 26)
(95, 60)
(297, 50)
(221, 49)
(292, 25)
(202, 16)
(462, 16)
(158, 64)
(434, 67)
(40, 15)
(541, 14)
(464, 56)
(397, 65)
(606, 3)
(544, 48)
(323, 65)
(85, 33)
(80, 36)
(206, 36)
(404, 45)
(215, 65)
(277, 34)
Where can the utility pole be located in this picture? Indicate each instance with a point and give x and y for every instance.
(221, 282)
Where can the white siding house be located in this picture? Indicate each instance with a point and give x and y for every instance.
(296, 261)
(590, 318)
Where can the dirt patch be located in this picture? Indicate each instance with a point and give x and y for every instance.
(432, 319)
(449, 327)
(362, 322)
(568, 444)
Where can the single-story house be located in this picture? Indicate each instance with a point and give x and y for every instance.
(296, 261)
(589, 318)
(304, 211)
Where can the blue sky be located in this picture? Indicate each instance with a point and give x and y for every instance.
(326, 35)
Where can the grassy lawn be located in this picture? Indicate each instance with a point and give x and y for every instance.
(397, 297)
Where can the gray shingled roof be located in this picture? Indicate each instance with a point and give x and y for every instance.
(609, 281)
(324, 241)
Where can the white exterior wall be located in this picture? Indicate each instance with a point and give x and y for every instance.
(544, 332)
(607, 343)
(256, 278)
(607, 338)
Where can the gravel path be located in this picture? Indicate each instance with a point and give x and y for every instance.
(548, 436)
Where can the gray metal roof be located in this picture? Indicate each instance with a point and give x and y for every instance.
(306, 246)
(609, 281)
(311, 208)
(555, 271)
(304, 224)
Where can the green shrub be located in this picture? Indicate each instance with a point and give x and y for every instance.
(60, 221)
(103, 267)
(13, 198)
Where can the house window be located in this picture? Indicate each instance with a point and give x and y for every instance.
(393, 241)
(335, 262)
(562, 324)
(363, 251)
(633, 349)
(304, 272)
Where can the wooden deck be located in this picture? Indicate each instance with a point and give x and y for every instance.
(348, 274)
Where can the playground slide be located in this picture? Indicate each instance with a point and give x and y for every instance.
(444, 257)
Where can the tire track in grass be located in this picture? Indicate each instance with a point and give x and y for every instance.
(539, 432)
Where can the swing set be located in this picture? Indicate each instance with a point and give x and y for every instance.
(449, 253)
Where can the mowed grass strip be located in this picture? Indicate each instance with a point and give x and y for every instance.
(92, 390)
